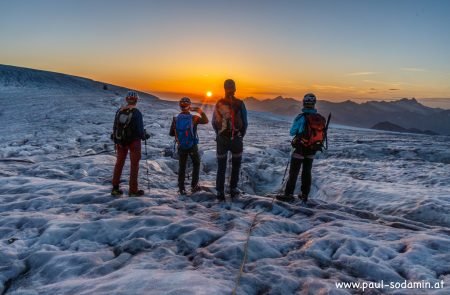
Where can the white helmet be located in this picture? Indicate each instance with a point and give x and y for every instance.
(132, 96)
(309, 99)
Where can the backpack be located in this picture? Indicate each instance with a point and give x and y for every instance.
(184, 131)
(314, 134)
(231, 121)
(123, 129)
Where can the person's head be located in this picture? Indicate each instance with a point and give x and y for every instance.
(185, 104)
(309, 100)
(132, 97)
(230, 87)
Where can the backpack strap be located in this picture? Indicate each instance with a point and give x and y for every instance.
(130, 116)
(232, 118)
(192, 125)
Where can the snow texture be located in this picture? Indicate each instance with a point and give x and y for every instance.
(379, 207)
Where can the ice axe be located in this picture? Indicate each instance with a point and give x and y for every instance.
(326, 131)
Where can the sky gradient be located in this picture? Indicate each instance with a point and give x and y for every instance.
(336, 49)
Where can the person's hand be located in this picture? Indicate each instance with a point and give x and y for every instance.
(196, 109)
(112, 136)
(147, 136)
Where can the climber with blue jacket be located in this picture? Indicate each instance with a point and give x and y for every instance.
(184, 129)
(308, 129)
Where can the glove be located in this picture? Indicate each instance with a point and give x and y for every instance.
(146, 135)
(112, 136)
(197, 109)
(296, 142)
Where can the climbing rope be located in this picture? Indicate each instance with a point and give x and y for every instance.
(249, 232)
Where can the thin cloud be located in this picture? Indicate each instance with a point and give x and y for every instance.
(332, 87)
(373, 81)
(269, 93)
(362, 73)
(392, 84)
(413, 70)
(393, 89)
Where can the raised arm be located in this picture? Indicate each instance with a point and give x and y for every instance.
(203, 119)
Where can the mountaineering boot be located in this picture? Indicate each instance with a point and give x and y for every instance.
(234, 193)
(116, 191)
(220, 196)
(138, 193)
(182, 191)
(303, 197)
(286, 198)
(195, 189)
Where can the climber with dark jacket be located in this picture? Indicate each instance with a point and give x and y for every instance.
(128, 131)
(230, 124)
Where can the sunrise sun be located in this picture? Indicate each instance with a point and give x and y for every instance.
(208, 93)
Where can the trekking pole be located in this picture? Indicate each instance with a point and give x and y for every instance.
(146, 162)
(285, 171)
(326, 131)
(230, 155)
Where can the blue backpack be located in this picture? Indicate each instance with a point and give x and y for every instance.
(185, 131)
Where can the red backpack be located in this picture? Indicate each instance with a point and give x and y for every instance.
(314, 133)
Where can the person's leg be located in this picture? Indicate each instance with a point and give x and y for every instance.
(294, 170)
(306, 176)
(195, 157)
(237, 148)
(182, 160)
(121, 153)
(222, 150)
(135, 157)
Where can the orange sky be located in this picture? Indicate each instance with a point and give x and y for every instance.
(339, 51)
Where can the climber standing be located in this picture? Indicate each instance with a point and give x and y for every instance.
(128, 131)
(230, 124)
(184, 129)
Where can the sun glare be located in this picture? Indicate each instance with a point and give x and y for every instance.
(208, 93)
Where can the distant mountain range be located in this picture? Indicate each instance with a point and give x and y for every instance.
(388, 126)
(405, 113)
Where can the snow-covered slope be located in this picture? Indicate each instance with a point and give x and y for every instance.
(379, 208)
(17, 80)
